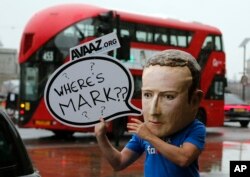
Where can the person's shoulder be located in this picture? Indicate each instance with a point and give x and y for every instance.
(196, 125)
(196, 122)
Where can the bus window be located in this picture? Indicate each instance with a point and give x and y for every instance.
(173, 40)
(85, 28)
(31, 80)
(218, 43)
(35, 77)
(160, 36)
(73, 35)
(127, 29)
(213, 42)
(141, 36)
(124, 32)
(64, 41)
(156, 34)
(182, 41)
(208, 43)
(207, 47)
(189, 38)
(137, 89)
(144, 33)
(150, 37)
(216, 90)
(180, 38)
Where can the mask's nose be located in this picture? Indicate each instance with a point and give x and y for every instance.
(155, 106)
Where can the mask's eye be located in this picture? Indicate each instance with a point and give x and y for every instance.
(147, 95)
(169, 96)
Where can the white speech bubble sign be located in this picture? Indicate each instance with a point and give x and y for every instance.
(81, 91)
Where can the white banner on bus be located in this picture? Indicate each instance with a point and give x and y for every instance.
(99, 45)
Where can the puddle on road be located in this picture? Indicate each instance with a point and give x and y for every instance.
(217, 156)
(85, 160)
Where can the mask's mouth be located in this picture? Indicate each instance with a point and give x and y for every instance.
(155, 122)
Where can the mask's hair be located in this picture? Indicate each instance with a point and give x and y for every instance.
(178, 58)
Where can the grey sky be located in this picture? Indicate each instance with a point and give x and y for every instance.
(230, 16)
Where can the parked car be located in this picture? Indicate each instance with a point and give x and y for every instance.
(14, 159)
(236, 110)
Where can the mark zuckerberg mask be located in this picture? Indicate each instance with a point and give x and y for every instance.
(168, 104)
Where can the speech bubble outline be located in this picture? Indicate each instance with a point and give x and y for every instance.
(127, 94)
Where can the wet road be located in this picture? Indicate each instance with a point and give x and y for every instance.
(80, 156)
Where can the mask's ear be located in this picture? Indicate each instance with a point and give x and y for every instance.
(196, 98)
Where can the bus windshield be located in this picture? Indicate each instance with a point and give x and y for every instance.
(36, 71)
(74, 34)
(34, 78)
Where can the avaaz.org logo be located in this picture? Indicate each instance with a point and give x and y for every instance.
(239, 168)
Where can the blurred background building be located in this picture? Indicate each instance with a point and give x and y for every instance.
(235, 86)
(9, 68)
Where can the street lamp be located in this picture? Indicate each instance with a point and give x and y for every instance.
(244, 79)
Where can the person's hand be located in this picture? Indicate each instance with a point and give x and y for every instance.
(101, 128)
(138, 127)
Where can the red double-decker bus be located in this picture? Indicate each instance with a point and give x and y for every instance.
(51, 32)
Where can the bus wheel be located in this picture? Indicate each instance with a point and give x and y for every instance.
(201, 116)
(63, 134)
(244, 123)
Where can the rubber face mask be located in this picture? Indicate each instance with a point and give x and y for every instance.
(165, 105)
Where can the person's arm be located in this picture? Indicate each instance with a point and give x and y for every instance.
(118, 160)
(182, 156)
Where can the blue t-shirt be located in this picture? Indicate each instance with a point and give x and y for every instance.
(156, 165)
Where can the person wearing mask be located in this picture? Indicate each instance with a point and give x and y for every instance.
(170, 135)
